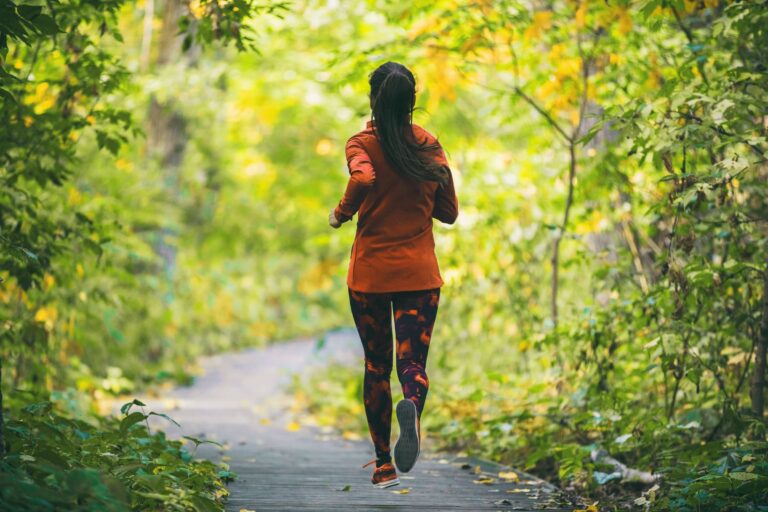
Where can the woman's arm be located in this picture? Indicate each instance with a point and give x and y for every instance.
(361, 179)
(446, 203)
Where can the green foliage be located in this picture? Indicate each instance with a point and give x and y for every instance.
(622, 144)
(58, 462)
(736, 479)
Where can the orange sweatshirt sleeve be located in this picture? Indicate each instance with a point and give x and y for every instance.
(446, 203)
(361, 178)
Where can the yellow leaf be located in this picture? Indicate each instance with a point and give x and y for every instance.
(542, 20)
(574, 116)
(293, 427)
(74, 197)
(47, 315)
(265, 421)
(197, 9)
(625, 22)
(324, 147)
(123, 164)
(581, 14)
(485, 480)
(246, 510)
(402, 491)
(509, 476)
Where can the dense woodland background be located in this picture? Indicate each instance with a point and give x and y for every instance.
(166, 169)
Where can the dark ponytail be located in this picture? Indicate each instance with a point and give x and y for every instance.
(393, 96)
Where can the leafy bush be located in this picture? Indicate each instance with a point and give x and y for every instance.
(105, 464)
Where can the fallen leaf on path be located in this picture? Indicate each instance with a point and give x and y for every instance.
(402, 491)
(293, 427)
(246, 510)
(350, 436)
(265, 421)
(225, 458)
(486, 480)
(516, 491)
(590, 508)
(509, 476)
(477, 470)
(346, 488)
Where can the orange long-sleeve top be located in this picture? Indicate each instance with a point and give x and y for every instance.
(394, 249)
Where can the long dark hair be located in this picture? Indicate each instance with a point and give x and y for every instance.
(393, 96)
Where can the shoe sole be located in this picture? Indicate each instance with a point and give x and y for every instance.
(407, 446)
(388, 483)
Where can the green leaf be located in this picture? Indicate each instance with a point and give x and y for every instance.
(198, 442)
(203, 504)
(29, 11)
(46, 25)
(127, 406)
(29, 254)
(152, 413)
(39, 408)
(132, 419)
(743, 476)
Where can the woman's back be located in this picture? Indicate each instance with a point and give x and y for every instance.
(394, 246)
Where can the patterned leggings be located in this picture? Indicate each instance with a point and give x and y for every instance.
(415, 313)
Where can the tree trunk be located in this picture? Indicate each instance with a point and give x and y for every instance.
(146, 38)
(757, 383)
(167, 134)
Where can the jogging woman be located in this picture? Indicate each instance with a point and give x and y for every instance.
(399, 180)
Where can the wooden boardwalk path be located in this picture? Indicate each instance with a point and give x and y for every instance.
(240, 401)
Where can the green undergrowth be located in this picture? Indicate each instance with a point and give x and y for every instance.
(59, 462)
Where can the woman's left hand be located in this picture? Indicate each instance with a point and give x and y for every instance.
(333, 221)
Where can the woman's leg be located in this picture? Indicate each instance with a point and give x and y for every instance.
(415, 314)
(373, 318)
